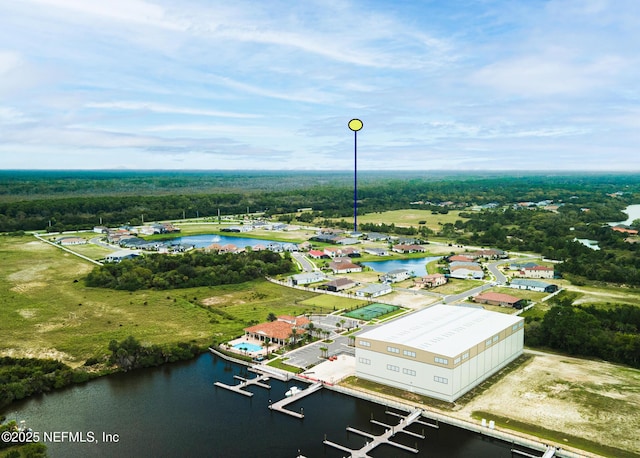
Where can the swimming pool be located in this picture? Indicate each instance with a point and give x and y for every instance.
(248, 347)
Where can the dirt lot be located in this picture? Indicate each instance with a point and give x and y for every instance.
(593, 400)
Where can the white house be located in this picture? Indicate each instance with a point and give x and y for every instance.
(374, 290)
(442, 351)
(395, 276)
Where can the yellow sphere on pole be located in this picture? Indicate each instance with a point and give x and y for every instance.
(355, 125)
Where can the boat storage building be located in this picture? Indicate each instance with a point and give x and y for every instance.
(442, 351)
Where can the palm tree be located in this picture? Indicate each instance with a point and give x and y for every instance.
(294, 333)
(267, 342)
(324, 352)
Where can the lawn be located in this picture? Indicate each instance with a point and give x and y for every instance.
(329, 303)
(411, 217)
(456, 286)
(48, 312)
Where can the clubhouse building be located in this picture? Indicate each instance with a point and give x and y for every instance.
(442, 351)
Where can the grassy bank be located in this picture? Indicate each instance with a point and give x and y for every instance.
(49, 313)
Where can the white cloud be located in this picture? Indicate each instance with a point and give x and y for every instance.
(167, 109)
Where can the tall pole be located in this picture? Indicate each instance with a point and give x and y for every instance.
(355, 125)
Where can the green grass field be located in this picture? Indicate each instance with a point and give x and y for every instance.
(456, 286)
(48, 312)
(411, 217)
(329, 303)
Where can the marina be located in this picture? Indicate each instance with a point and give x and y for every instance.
(384, 438)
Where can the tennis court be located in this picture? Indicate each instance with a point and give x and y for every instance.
(371, 311)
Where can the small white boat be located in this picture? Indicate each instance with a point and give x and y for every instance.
(293, 391)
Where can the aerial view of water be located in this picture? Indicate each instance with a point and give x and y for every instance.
(175, 410)
(417, 265)
(634, 213)
(203, 241)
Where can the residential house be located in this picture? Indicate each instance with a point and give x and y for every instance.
(341, 266)
(460, 258)
(376, 236)
(395, 276)
(374, 290)
(537, 272)
(501, 299)
(466, 272)
(403, 248)
(339, 284)
(533, 285)
(68, 241)
(625, 229)
(334, 252)
(307, 278)
(431, 281)
(317, 254)
(118, 256)
(377, 251)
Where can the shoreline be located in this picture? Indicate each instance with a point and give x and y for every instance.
(505, 435)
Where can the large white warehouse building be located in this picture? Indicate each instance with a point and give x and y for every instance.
(442, 351)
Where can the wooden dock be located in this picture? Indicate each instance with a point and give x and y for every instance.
(240, 387)
(384, 438)
(280, 405)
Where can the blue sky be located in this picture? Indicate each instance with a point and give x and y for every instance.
(449, 85)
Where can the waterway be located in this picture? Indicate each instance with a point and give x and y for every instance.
(175, 410)
(634, 213)
(416, 265)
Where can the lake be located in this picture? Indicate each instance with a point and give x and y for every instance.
(203, 241)
(416, 265)
(175, 410)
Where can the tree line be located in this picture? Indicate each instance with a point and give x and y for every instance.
(131, 354)
(61, 203)
(195, 268)
(610, 333)
(23, 377)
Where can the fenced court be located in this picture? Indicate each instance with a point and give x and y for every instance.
(371, 311)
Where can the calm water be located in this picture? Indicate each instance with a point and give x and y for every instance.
(176, 411)
(634, 213)
(203, 241)
(417, 265)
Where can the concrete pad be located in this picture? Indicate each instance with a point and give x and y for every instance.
(332, 371)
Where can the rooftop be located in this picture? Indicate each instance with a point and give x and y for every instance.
(443, 329)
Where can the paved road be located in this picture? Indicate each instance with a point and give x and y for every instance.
(307, 266)
(499, 276)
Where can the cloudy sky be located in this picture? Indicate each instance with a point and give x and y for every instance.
(450, 85)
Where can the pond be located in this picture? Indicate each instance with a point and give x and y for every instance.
(416, 265)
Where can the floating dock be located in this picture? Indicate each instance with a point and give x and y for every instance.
(550, 452)
(384, 438)
(280, 405)
(240, 387)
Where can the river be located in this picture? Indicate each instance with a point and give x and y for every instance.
(175, 410)
(634, 213)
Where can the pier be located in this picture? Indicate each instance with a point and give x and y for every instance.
(550, 452)
(280, 405)
(240, 387)
(384, 438)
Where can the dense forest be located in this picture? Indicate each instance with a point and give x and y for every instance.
(194, 268)
(80, 200)
(66, 207)
(612, 334)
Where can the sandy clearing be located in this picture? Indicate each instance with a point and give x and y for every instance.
(589, 399)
